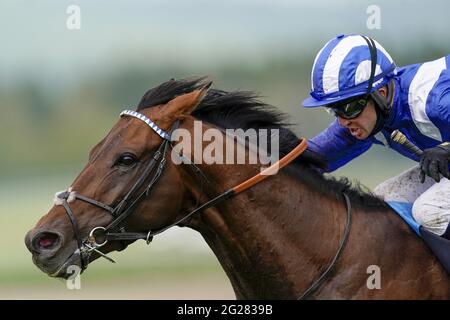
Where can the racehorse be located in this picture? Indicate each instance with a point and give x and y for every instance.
(297, 234)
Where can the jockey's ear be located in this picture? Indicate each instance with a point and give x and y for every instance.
(383, 91)
(186, 103)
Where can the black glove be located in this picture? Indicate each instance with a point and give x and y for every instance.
(435, 161)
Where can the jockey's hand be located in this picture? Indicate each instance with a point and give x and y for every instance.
(434, 162)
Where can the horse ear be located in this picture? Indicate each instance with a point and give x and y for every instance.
(186, 103)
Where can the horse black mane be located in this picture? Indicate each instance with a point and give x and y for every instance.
(243, 109)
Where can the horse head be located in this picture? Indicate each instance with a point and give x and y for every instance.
(128, 171)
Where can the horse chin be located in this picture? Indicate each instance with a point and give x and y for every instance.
(69, 268)
(72, 265)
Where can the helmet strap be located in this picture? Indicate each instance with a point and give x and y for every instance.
(384, 103)
(383, 106)
(373, 63)
(381, 119)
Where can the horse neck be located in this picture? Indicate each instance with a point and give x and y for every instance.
(275, 231)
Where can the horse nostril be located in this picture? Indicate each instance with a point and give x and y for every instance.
(46, 241)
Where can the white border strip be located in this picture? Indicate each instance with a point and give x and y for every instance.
(419, 89)
(147, 120)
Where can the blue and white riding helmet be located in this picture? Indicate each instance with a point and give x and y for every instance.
(342, 69)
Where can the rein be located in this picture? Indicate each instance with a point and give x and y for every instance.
(99, 236)
(223, 196)
(316, 284)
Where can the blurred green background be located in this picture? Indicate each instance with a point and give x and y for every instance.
(61, 91)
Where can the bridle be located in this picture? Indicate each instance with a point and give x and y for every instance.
(115, 231)
(99, 236)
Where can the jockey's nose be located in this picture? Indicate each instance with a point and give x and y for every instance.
(43, 241)
(344, 122)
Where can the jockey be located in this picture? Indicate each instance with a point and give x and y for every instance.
(355, 79)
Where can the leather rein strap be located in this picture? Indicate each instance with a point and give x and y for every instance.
(294, 153)
(316, 284)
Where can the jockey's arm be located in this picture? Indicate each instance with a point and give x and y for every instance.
(336, 146)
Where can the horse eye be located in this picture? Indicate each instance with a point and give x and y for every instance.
(126, 159)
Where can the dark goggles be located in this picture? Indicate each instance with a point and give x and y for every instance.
(349, 109)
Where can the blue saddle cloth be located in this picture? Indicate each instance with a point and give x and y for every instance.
(437, 244)
(404, 210)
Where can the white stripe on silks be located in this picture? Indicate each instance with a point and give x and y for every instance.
(333, 65)
(363, 71)
(419, 89)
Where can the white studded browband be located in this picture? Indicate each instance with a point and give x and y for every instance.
(148, 121)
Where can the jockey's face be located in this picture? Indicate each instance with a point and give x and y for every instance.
(361, 126)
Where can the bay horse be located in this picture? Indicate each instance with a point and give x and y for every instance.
(273, 240)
